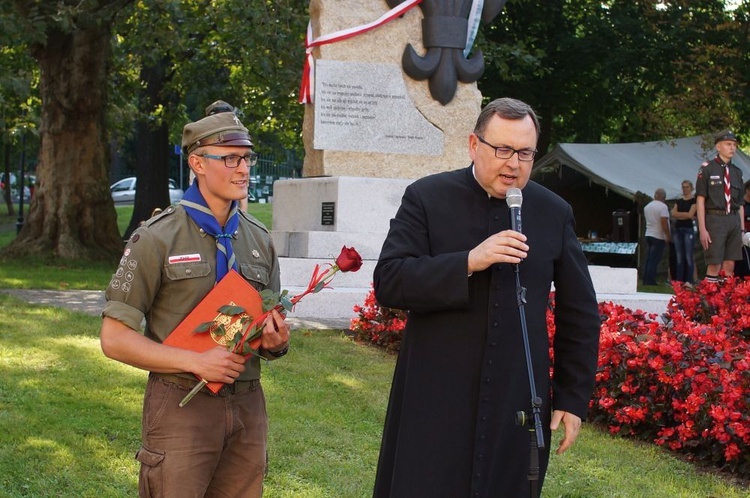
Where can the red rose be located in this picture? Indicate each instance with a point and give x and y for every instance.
(349, 259)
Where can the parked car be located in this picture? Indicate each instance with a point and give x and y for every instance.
(29, 179)
(123, 191)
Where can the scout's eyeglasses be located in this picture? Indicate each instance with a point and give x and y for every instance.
(233, 160)
(505, 152)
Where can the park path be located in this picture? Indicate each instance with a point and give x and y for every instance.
(92, 302)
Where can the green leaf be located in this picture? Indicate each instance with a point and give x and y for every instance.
(255, 333)
(231, 310)
(235, 340)
(246, 349)
(286, 303)
(267, 294)
(220, 331)
(203, 327)
(270, 299)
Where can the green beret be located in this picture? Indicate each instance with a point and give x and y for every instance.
(724, 135)
(220, 129)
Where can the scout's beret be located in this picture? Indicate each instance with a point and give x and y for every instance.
(220, 127)
(724, 135)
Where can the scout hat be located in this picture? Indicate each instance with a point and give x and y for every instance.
(724, 135)
(220, 127)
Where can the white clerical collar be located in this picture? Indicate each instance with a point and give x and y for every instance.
(475, 178)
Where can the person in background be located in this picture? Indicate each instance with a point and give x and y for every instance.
(742, 267)
(216, 445)
(450, 259)
(683, 213)
(672, 276)
(656, 214)
(719, 210)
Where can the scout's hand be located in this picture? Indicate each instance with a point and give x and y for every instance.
(219, 365)
(275, 334)
(572, 425)
(504, 247)
(705, 239)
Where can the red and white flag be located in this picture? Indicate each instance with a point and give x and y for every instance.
(308, 73)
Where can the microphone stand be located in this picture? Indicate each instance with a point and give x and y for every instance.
(537, 436)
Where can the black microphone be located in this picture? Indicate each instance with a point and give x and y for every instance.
(514, 198)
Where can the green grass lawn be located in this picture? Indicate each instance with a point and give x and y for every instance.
(655, 289)
(70, 418)
(72, 275)
(70, 421)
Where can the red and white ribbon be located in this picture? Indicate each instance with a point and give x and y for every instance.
(727, 189)
(308, 73)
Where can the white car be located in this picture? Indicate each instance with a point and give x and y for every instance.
(28, 179)
(123, 191)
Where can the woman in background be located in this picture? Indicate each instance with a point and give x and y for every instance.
(683, 212)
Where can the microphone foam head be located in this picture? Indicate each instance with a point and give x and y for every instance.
(514, 198)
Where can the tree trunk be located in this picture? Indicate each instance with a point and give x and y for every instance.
(72, 215)
(152, 154)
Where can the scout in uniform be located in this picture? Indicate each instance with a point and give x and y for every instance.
(216, 444)
(720, 214)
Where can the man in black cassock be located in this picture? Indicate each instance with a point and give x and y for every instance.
(461, 374)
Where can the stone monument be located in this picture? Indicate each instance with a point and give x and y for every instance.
(369, 131)
(375, 57)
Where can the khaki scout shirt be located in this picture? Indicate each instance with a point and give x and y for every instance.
(710, 184)
(169, 265)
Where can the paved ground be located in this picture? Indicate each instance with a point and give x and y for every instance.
(92, 302)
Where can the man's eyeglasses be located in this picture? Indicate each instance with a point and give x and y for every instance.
(505, 152)
(233, 160)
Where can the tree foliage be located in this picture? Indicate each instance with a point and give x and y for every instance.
(248, 53)
(168, 60)
(622, 70)
(613, 71)
(19, 79)
(191, 53)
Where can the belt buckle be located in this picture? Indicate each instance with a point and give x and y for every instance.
(226, 390)
(236, 387)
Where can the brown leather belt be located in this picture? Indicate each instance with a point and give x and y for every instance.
(721, 212)
(226, 390)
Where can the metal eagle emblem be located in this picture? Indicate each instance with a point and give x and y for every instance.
(444, 32)
(227, 326)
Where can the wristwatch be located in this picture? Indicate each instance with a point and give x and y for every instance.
(279, 353)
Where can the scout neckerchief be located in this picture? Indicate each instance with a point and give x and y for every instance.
(727, 188)
(196, 207)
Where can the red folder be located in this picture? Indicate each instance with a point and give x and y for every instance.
(231, 290)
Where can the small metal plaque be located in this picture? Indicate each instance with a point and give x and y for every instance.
(327, 211)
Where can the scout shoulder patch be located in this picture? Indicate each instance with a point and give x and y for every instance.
(254, 221)
(164, 214)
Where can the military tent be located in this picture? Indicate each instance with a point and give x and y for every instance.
(608, 184)
(632, 171)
